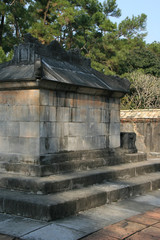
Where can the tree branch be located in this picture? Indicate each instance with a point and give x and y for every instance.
(12, 3)
(45, 13)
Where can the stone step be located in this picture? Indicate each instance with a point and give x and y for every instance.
(78, 155)
(110, 156)
(54, 206)
(69, 166)
(77, 180)
(56, 168)
(48, 159)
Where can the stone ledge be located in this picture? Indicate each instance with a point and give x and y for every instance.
(140, 120)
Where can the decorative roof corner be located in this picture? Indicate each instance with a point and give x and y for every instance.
(32, 49)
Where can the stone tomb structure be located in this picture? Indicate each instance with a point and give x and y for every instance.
(60, 136)
(54, 106)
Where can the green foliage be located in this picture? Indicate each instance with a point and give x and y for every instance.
(134, 27)
(4, 57)
(154, 47)
(111, 8)
(140, 58)
(80, 23)
(114, 49)
(75, 24)
(14, 22)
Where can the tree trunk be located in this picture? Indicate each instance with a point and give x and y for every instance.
(16, 27)
(70, 35)
(1, 29)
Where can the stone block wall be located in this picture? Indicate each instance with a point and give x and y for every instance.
(39, 122)
(73, 121)
(19, 122)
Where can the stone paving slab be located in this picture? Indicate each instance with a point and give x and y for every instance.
(55, 232)
(132, 204)
(150, 199)
(18, 226)
(142, 226)
(132, 219)
(90, 221)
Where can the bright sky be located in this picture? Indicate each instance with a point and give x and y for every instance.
(150, 7)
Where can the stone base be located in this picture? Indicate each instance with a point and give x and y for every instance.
(63, 162)
(62, 195)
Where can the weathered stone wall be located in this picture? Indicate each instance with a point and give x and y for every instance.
(146, 125)
(19, 122)
(34, 122)
(73, 121)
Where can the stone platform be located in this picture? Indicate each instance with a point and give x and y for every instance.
(122, 216)
(61, 195)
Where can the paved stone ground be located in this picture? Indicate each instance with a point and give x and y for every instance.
(143, 226)
(133, 219)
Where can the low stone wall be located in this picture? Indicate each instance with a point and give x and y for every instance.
(146, 125)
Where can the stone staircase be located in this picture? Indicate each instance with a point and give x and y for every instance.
(84, 185)
(67, 162)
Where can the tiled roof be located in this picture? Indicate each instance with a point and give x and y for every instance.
(52, 63)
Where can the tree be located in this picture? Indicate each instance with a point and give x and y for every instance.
(111, 51)
(134, 27)
(144, 92)
(75, 24)
(154, 47)
(140, 59)
(14, 22)
(115, 51)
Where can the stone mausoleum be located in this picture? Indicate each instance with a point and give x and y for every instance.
(61, 150)
(53, 105)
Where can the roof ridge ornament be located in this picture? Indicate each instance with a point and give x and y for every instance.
(31, 49)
